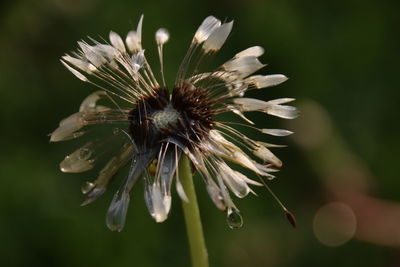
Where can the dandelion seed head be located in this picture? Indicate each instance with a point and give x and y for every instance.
(157, 126)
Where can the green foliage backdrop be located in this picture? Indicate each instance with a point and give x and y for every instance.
(341, 54)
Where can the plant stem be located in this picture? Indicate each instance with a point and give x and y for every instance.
(191, 212)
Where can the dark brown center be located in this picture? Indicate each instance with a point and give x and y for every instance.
(184, 117)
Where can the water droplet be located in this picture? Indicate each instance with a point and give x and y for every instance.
(85, 153)
(87, 187)
(165, 170)
(234, 219)
(116, 131)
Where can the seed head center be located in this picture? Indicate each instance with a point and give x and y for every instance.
(168, 115)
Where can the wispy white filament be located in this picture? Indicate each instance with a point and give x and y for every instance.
(117, 42)
(205, 29)
(254, 51)
(217, 37)
(162, 36)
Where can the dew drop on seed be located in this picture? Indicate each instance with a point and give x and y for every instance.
(87, 187)
(85, 153)
(165, 170)
(234, 219)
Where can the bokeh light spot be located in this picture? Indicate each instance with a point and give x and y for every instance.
(334, 224)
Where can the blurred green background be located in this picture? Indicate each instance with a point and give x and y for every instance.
(342, 58)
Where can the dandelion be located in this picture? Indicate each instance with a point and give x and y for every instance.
(157, 126)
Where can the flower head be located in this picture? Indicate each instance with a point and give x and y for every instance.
(156, 127)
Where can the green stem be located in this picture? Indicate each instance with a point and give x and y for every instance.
(191, 211)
